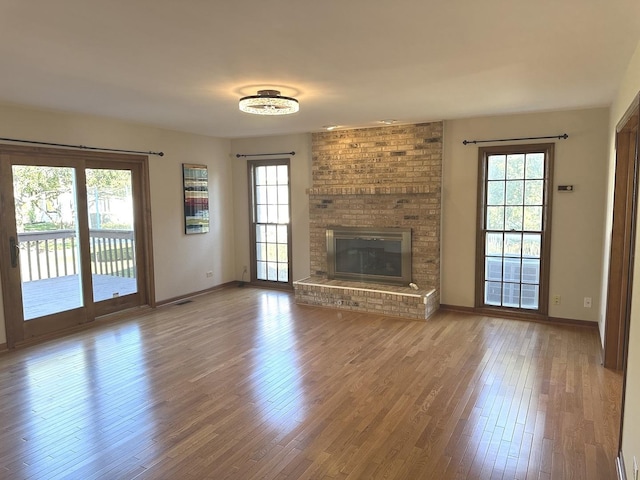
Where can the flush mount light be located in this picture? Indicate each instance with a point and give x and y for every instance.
(330, 127)
(269, 102)
(387, 122)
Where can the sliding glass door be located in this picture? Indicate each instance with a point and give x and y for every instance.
(73, 235)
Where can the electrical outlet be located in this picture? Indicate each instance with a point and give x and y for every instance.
(209, 274)
(587, 302)
(556, 299)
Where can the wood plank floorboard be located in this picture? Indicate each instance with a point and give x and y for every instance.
(242, 383)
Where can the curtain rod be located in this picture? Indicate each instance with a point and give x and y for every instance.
(81, 147)
(244, 155)
(564, 136)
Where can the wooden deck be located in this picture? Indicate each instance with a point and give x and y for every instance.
(244, 384)
(52, 295)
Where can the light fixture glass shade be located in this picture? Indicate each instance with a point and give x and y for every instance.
(269, 102)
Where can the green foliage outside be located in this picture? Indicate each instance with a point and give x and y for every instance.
(44, 195)
(113, 255)
(40, 227)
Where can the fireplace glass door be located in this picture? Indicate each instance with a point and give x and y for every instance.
(368, 257)
(379, 255)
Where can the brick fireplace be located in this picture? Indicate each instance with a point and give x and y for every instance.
(386, 177)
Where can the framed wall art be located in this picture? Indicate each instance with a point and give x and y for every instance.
(196, 198)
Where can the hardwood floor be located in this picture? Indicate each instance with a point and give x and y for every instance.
(242, 383)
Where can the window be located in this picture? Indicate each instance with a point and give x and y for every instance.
(270, 221)
(513, 227)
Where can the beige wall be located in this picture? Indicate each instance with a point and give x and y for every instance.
(300, 180)
(629, 88)
(577, 219)
(181, 261)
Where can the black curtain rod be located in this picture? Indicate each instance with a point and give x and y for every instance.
(244, 155)
(564, 136)
(81, 147)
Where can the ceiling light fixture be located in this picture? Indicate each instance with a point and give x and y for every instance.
(387, 122)
(269, 102)
(330, 127)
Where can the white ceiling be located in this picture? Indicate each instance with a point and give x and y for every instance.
(184, 64)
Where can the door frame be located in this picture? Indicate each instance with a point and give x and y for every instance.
(623, 234)
(615, 353)
(17, 331)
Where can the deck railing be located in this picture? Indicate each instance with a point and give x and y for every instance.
(54, 253)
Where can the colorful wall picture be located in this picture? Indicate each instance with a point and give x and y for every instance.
(196, 198)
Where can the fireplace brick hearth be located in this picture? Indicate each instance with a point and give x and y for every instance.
(377, 177)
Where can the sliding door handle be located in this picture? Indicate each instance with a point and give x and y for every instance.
(15, 251)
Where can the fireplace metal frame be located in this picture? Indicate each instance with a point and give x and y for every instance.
(403, 235)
